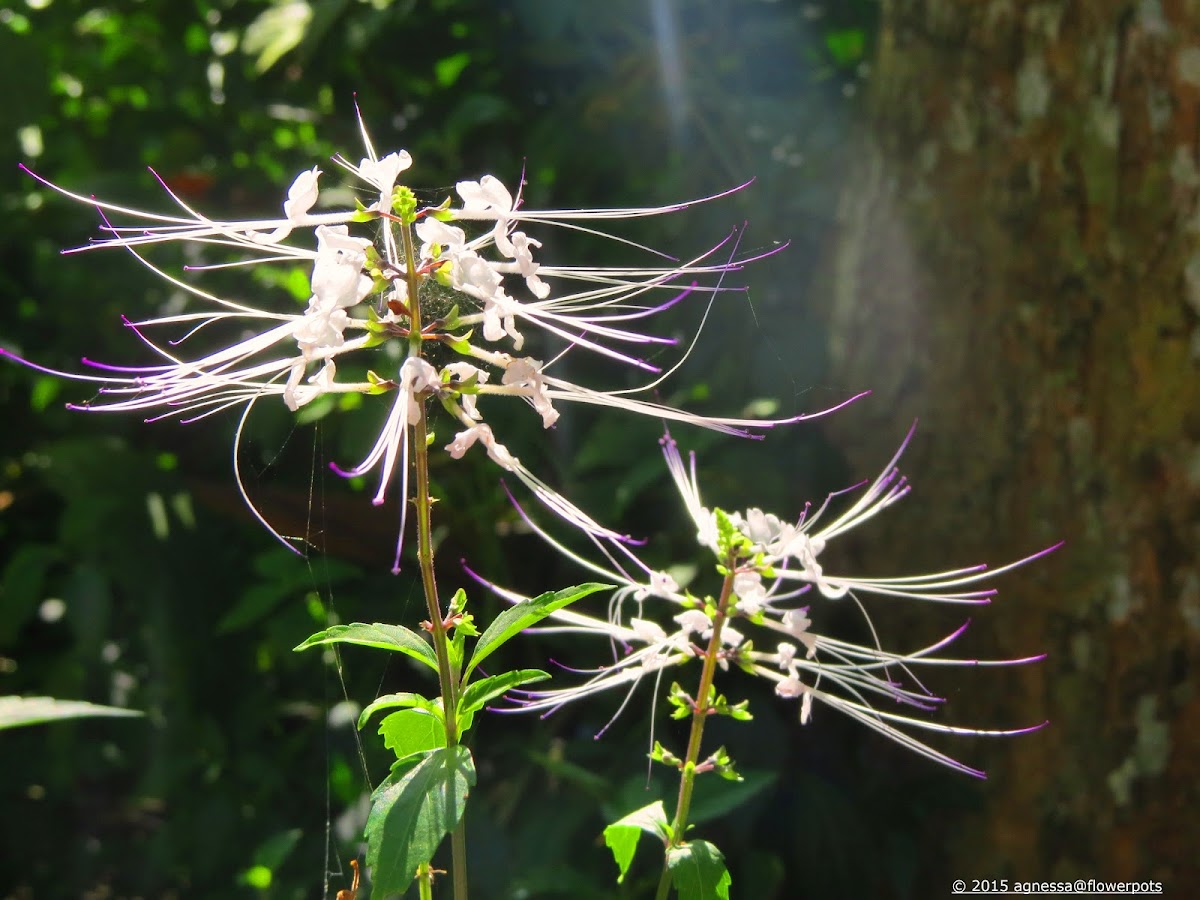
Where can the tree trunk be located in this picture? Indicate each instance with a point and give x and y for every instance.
(1017, 265)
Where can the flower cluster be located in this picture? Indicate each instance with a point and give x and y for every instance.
(444, 298)
(423, 278)
(772, 566)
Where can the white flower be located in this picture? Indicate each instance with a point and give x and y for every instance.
(789, 688)
(446, 239)
(762, 528)
(852, 678)
(647, 631)
(795, 622)
(522, 253)
(338, 280)
(527, 374)
(693, 621)
(296, 395)
(482, 433)
(302, 195)
(663, 585)
(464, 372)
(383, 172)
(482, 245)
(751, 594)
(488, 198)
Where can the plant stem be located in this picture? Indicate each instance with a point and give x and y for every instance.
(700, 713)
(424, 506)
(425, 881)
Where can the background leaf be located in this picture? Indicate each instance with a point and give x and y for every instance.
(15, 711)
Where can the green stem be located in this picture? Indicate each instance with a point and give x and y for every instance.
(425, 881)
(700, 713)
(424, 506)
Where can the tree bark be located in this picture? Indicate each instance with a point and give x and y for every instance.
(1017, 265)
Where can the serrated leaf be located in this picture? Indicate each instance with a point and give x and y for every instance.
(698, 871)
(411, 815)
(621, 837)
(412, 731)
(513, 621)
(17, 711)
(401, 700)
(384, 637)
(479, 693)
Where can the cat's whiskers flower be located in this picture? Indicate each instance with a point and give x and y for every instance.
(481, 273)
(809, 666)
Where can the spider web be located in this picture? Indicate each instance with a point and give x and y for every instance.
(323, 588)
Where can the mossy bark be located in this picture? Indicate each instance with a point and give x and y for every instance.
(1017, 263)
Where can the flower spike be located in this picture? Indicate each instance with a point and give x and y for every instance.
(775, 564)
(466, 269)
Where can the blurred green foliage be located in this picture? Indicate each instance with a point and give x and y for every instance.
(244, 778)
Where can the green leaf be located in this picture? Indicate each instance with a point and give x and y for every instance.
(447, 70)
(384, 637)
(276, 31)
(45, 389)
(513, 621)
(579, 776)
(660, 754)
(714, 799)
(621, 837)
(463, 629)
(458, 603)
(698, 871)
(412, 731)
(479, 693)
(846, 45)
(411, 814)
(278, 580)
(17, 711)
(401, 700)
(268, 858)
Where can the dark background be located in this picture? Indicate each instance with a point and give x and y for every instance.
(991, 211)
